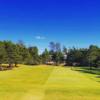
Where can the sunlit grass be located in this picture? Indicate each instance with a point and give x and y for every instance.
(47, 83)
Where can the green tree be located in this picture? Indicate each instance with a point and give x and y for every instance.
(76, 57)
(45, 56)
(56, 53)
(92, 55)
(35, 59)
(11, 54)
(17, 57)
(2, 53)
(65, 50)
(58, 57)
(23, 52)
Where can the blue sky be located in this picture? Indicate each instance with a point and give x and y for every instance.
(37, 22)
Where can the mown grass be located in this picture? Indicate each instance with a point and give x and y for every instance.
(66, 84)
(16, 83)
(94, 73)
(48, 83)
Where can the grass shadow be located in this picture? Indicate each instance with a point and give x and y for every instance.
(95, 71)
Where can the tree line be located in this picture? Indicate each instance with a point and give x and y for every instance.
(75, 56)
(18, 53)
(11, 53)
(84, 56)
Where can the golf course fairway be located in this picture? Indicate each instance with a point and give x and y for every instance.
(47, 83)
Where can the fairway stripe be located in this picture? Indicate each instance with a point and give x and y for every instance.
(64, 80)
(39, 93)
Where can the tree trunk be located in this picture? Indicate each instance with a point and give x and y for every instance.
(10, 65)
(15, 64)
(1, 68)
(0, 65)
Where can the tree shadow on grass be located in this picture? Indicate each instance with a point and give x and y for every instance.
(95, 71)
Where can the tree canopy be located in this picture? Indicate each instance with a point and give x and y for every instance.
(18, 53)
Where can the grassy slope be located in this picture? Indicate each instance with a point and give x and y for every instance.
(47, 83)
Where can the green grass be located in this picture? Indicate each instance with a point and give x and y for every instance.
(48, 83)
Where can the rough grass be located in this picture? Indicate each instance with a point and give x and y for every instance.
(48, 83)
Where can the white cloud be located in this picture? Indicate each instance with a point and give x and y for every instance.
(40, 37)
